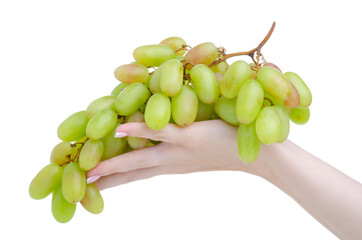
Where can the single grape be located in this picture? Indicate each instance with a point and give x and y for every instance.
(249, 101)
(106, 102)
(46, 181)
(268, 125)
(73, 183)
(184, 106)
(158, 111)
(153, 55)
(219, 77)
(136, 142)
(176, 43)
(302, 88)
(204, 112)
(272, 65)
(204, 53)
(237, 73)
(131, 99)
(93, 201)
(299, 115)
(274, 100)
(119, 88)
(155, 81)
(248, 143)
(274, 82)
(220, 67)
(91, 154)
(171, 77)
(225, 109)
(101, 124)
(74, 127)
(294, 100)
(62, 210)
(284, 120)
(113, 146)
(130, 73)
(62, 153)
(205, 83)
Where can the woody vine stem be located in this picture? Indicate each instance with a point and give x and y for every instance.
(256, 51)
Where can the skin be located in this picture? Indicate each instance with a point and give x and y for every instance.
(330, 196)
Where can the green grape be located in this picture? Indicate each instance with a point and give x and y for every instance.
(155, 80)
(284, 120)
(253, 73)
(130, 73)
(248, 143)
(219, 77)
(274, 100)
(180, 58)
(93, 201)
(158, 111)
(106, 102)
(268, 125)
(171, 77)
(176, 43)
(91, 154)
(147, 83)
(249, 101)
(302, 88)
(299, 115)
(45, 181)
(274, 82)
(62, 210)
(205, 83)
(237, 73)
(225, 109)
(184, 106)
(204, 53)
(204, 112)
(101, 124)
(119, 88)
(136, 142)
(62, 153)
(74, 127)
(294, 100)
(73, 183)
(113, 146)
(142, 108)
(272, 65)
(131, 99)
(220, 68)
(153, 55)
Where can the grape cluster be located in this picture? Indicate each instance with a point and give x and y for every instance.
(170, 82)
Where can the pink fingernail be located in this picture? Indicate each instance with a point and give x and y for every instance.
(120, 134)
(93, 179)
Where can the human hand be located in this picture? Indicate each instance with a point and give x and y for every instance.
(202, 146)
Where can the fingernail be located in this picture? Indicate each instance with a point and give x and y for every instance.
(93, 179)
(120, 134)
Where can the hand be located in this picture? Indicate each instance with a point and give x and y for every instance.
(202, 146)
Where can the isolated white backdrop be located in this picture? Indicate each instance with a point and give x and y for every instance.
(57, 56)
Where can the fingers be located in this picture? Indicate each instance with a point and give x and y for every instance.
(137, 159)
(171, 133)
(127, 177)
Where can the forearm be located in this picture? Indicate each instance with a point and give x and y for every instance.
(330, 196)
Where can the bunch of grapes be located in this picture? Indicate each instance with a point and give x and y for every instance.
(171, 82)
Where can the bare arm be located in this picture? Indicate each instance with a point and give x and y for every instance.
(330, 196)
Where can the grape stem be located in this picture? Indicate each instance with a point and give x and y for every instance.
(250, 53)
(78, 150)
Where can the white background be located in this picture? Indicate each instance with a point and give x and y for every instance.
(58, 56)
